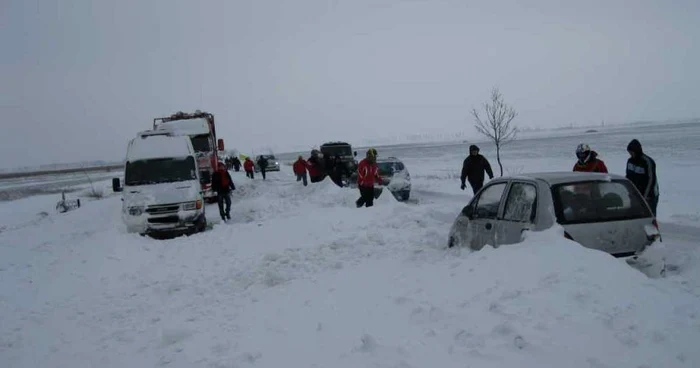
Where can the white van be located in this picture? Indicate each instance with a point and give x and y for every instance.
(162, 191)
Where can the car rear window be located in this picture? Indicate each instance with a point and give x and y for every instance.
(598, 201)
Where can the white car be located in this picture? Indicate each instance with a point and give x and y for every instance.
(599, 211)
(162, 193)
(272, 163)
(395, 177)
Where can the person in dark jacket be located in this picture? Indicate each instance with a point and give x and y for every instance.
(262, 164)
(222, 184)
(236, 164)
(588, 160)
(473, 169)
(641, 171)
(315, 166)
(337, 170)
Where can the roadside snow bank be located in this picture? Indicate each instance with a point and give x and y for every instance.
(546, 302)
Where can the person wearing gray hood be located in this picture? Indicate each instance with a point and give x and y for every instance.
(641, 171)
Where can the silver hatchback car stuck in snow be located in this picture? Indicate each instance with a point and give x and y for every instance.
(599, 211)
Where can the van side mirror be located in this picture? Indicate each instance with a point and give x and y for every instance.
(354, 153)
(220, 144)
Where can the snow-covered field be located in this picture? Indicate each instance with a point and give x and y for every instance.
(301, 278)
(21, 187)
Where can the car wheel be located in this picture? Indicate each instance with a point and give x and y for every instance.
(405, 195)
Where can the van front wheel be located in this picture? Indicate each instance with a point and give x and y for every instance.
(202, 223)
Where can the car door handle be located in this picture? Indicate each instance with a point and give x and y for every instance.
(488, 226)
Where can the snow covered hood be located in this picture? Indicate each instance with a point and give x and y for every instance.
(163, 193)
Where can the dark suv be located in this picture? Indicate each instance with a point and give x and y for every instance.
(335, 153)
(395, 177)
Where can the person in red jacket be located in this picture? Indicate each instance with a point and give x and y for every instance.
(249, 168)
(315, 166)
(300, 169)
(222, 184)
(367, 176)
(588, 160)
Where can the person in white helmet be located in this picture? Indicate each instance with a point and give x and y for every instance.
(588, 160)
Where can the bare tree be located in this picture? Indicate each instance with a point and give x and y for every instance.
(497, 123)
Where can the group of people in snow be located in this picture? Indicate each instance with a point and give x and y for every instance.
(249, 167)
(640, 169)
(318, 168)
(232, 162)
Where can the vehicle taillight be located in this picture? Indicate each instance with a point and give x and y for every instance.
(656, 236)
(568, 236)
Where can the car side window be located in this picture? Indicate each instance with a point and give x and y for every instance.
(521, 203)
(489, 201)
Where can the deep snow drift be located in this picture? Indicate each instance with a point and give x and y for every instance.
(301, 278)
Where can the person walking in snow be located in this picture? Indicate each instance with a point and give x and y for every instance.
(222, 184)
(262, 165)
(641, 171)
(249, 168)
(315, 167)
(588, 160)
(299, 168)
(367, 176)
(473, 169)
(236, 164)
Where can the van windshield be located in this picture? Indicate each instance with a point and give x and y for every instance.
(596, 201)
(200, 143)
(159, 170)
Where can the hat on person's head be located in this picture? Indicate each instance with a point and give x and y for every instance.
(635, 147)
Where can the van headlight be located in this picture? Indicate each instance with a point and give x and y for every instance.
(136, 210)
(191, 206)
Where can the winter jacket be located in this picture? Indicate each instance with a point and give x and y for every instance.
(594, 164)
(221, 182)
(314, 166)
(248, 165)
(474, 167)
(299, 166)
(367, 174)
(262, 162)
(641, 171)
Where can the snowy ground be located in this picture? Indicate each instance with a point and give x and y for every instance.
(301, 278)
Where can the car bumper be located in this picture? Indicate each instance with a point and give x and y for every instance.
(269, 168)
(182, 222)
(651, 261)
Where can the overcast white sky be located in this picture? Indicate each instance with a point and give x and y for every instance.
(78, 78)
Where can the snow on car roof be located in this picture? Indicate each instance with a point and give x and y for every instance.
(158, 146)
(553, 178)
(185, 127)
